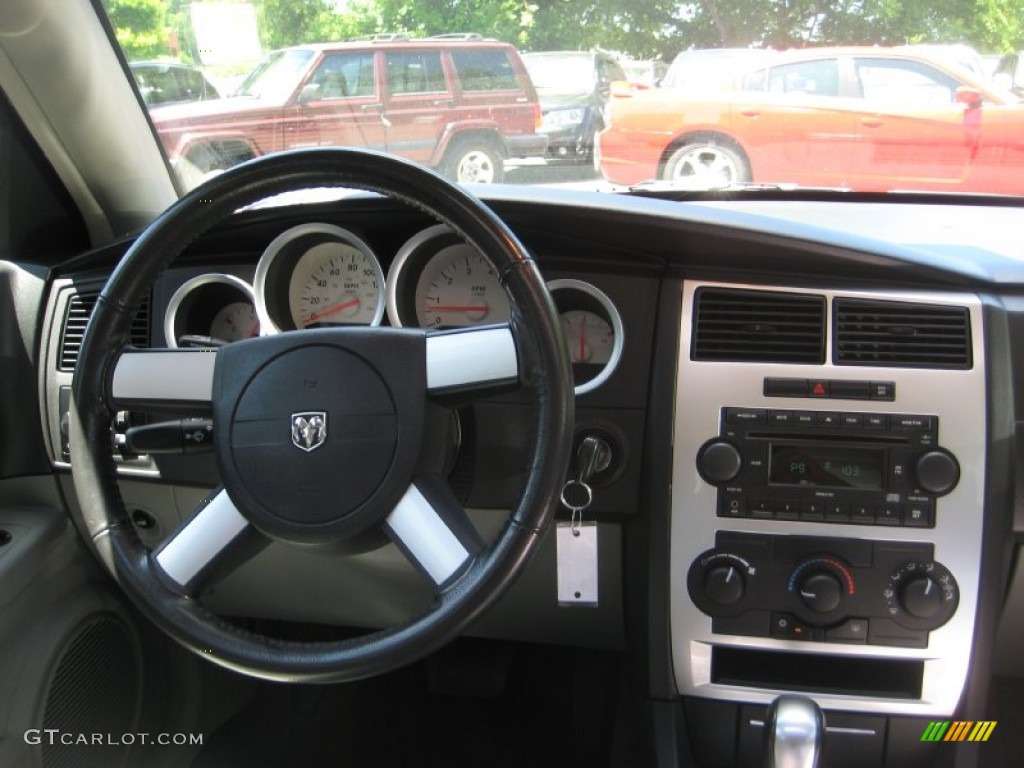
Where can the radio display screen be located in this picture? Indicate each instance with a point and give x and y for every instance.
(826, 465)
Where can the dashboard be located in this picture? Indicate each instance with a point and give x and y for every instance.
(809, 413)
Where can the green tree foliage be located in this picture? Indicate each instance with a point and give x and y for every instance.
(140, 27)
(641, 28)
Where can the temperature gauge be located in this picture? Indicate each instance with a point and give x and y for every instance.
(593, 331)
(590, 337)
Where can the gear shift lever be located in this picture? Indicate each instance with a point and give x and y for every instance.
(795, 730)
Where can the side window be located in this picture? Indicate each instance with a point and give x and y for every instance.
(907, 83)
(415, 72)
(484, 70)
(811, 78)
(343, 75)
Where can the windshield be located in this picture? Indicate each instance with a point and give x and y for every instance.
(840, 96)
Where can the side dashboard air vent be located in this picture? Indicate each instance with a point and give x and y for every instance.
(79, 309)
(758, 326)
(901, 335)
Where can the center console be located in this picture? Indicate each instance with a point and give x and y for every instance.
(826, 517)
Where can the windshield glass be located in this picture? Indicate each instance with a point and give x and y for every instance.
(843, 96)
(275, 77)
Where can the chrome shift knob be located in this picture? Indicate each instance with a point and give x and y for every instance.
(795, 730)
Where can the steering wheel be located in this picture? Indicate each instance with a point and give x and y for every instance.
(319, 434)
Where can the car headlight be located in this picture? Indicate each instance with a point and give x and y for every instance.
(560, 118)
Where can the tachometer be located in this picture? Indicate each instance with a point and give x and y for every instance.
(439, 281)
(458, 288)
(317, 275)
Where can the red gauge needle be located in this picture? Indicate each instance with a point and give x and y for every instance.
(457, 308)
(583, 337)
(332, 310)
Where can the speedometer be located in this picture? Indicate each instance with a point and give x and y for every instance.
(318, 275)
(334, 283)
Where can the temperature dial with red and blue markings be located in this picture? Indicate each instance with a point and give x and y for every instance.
(822, 583)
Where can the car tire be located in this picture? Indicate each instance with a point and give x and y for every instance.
(707, 161)
(474, 161)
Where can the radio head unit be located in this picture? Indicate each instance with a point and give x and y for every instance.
(828, 466)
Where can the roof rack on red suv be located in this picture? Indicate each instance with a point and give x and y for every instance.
(459, 103)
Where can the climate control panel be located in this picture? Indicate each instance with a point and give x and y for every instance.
(823, 589)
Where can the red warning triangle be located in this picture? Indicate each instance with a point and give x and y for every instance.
(818, 390)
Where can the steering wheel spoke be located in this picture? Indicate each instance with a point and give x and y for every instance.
(211, 540)
(433, 530)
(471, 361)
(163, 379)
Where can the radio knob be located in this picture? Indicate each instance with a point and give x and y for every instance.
(920, 596)
(723, 584)
(719, 461)
(821, 592)
(937, 472)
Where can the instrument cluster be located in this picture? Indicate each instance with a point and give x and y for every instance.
(319, 275)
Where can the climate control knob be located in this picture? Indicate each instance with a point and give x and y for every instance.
(921, 596)
(723, 584)
(820, 591)
(937, 472)
(719, 461)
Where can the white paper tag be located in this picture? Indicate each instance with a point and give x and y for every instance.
(577, 563)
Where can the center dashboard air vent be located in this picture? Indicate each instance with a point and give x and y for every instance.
(758, 326)
(79, 309)
(901, 334)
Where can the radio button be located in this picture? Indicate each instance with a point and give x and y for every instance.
(862, 514)
(913, 423)
(787, 509)
(782, 418)
(937, 472)
(918, 514)
(745, 416)
(828, 419)
(719, 461)
(851, 420)
(762, 508)
(888, 514)
(812, 510)
(837, 512)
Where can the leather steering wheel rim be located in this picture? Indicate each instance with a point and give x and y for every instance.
(543, 366)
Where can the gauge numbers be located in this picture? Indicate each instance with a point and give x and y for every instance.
(458, 288)
(334, 283)
(235, 321)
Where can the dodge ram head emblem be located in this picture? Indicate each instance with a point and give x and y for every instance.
(309, 430)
